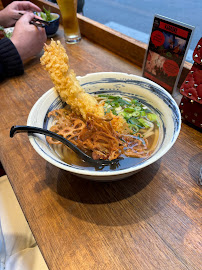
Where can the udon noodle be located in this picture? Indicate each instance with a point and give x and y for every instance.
(104, 126)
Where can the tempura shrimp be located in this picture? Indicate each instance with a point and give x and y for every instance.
(56, 62)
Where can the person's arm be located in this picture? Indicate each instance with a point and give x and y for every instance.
(27, 41)
(10, 60)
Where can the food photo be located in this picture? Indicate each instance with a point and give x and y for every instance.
(100, 154)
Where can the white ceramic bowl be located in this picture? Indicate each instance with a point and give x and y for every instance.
(150, 93)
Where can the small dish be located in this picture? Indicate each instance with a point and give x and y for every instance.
(54, 25)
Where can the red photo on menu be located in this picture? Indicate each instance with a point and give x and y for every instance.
(168, 46)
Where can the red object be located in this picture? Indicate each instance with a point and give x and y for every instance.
(170, 67)
(173, 29)
(191, 89)
(197, 54)
(157, 38)
(191, 111)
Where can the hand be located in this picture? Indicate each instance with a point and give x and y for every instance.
(10, 14)
(27, 38)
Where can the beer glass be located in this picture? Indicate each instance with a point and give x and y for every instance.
(68, 9)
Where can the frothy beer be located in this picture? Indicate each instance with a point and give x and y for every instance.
(68, 10)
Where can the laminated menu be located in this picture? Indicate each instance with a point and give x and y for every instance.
(166, 53)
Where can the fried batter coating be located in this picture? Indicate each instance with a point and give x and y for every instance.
(56, 62)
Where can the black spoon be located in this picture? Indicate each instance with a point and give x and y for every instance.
(30, 129)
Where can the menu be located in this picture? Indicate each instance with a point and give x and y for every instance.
(167, 50)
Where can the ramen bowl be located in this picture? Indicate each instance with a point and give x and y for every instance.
(149, 93)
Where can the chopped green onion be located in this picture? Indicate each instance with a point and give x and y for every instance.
(129, 110)
(152, 117)
(147, 110)
(144, 122)
(114, 112)
(114, 104)
(143, 113)
(123, 102)
(125, 115)
(102, 95)
(134, 121)
(138, 108)
(134, 127)
(134, 101)
(112, 97)
(135, 114)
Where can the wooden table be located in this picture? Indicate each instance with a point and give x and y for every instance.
(150, 220)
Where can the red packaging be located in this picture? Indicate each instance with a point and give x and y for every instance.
(197, 55)
(191, 89)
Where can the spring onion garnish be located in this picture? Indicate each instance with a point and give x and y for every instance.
(137, 115)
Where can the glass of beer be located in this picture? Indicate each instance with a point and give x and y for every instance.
(68, 9)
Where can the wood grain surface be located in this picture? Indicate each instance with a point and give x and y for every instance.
(151, 220)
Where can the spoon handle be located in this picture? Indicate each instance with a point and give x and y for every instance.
(30, 129)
